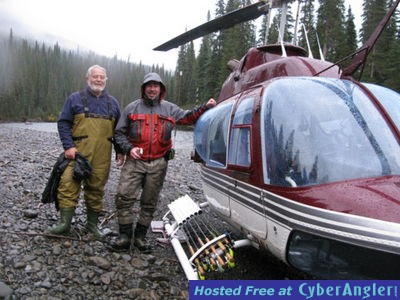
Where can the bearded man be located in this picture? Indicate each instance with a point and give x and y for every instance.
(86, 125)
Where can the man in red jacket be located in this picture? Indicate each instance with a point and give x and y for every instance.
(144, 135)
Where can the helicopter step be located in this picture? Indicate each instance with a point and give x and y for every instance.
(198, 246)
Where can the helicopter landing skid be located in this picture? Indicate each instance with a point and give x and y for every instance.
(189, 233)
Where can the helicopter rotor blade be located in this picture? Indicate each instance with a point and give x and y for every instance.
(240, 15)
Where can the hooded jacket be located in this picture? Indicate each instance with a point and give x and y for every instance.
(148, 124)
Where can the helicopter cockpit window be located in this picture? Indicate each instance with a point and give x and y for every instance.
(239, 145)
(210, 135)
(320, 130)
(389, 99)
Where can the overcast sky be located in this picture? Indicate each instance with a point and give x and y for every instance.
(126, 28)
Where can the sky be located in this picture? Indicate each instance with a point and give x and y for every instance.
(128, 29)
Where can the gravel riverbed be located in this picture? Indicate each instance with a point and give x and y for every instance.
(34, 265)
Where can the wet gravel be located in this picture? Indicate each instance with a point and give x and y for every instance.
(35, 265)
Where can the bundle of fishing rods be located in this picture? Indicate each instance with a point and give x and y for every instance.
(206, 249)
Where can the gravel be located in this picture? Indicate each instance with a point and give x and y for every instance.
(36, 265)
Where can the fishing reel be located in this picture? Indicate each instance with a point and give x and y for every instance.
(214, 254)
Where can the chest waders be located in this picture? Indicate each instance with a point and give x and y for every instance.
(92, 136)
(153, 134)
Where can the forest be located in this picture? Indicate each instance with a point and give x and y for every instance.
(35, 78)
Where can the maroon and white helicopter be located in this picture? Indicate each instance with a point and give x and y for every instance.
(301, 158)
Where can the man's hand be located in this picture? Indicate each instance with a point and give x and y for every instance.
(70, 153)
(120, 159)
(211, 103)
(136, 152)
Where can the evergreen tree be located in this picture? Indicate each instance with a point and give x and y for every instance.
(217, 52)
(376, 68)
(180, 67)
(247, 32)
(203, 67)
(189, 76)
(350, 33)
(273, 36)
(392, 62)
(330, 28)
(36, 79)
(307, 24)
(232, 41)
(273, 31)
(264, 30)
(288, 33)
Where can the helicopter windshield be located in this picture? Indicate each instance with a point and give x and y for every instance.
(320, 130)
(389, 99)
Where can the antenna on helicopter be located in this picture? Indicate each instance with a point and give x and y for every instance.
(284, 54)
(310, 55)
(267, 26)
(296, 23)
(282, 28)
(283, 22)
(321, 54)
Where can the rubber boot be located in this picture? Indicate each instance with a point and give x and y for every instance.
(123, 242)
(64, 224)
(91, 225)
(140, 238)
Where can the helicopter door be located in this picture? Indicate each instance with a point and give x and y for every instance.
(210, 139)
(244, 198)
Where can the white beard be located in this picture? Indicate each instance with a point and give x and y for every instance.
(96, 88)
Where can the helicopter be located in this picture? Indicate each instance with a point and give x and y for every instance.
(300, 157)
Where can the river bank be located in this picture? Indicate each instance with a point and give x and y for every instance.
(34, 265)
